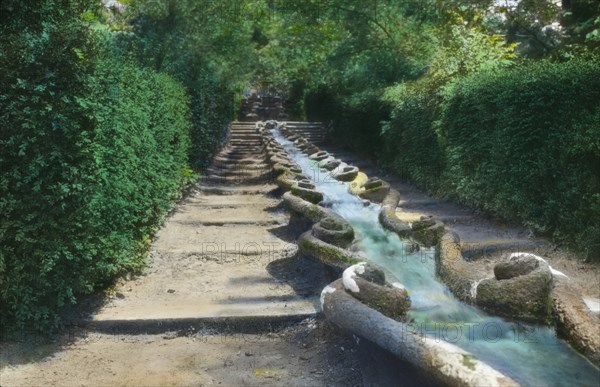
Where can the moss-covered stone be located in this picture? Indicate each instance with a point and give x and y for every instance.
(280, 169)
(453, 269)
(347, 173)
(321, 155)
(285, 181)
(304, 208)
(524, 297)
(424, 222)
(521, 265)
(468, 361)
(389, 220)
(375, 190)
(391, 199)
(330, 165)
(429, 236)
(329, 254)
(373, 274)
(366, 283)
(390, 301)
(334, 230)
(308, 194)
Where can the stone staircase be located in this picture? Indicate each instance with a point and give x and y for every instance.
(268, 107)
(314, 132)
(243, 159)
(219, 254)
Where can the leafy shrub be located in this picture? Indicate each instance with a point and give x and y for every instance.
(525, 144)
(410, 145)
(92, 151)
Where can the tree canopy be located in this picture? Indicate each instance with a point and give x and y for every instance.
(109, 108)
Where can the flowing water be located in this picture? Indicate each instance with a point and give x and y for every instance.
(530, 354)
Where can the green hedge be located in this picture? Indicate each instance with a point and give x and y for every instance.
(410, 145)
(525, 144)
(92, 152)
(521, 143)
(356, 118)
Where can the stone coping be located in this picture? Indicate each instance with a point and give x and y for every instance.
(447, 363)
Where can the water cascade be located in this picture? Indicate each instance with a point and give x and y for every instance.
(531, 354)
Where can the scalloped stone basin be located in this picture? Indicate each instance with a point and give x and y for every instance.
(306, 184)
(334, 230)
(332, 164)
(520, 289)
(529, 354)
(367, 284)
(308, 194)
(375, 190)
(321, 155)
(347, 173)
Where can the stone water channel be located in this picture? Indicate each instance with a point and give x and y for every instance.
(530, 354)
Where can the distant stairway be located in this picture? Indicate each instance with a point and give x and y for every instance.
(312, 131)
(243, 160)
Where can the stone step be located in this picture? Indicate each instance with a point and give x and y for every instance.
(220, 162)
(241, 189)
(258, 148)
(303, 123)
(192, 287)
(241, 142)
(247, 214)
(227, 201)
(245, 141)
(238, 179)
(201, 309)
(223, 160)
(225, 164)
(241, 168)
(305, 128)
(245, 133)
(245, 145)
(242, 155)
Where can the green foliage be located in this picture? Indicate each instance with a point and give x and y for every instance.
(373, 48)
(204, 45)
(138, 154)
(410, 145)
(92, 151)
(525, 144)
(44, 54)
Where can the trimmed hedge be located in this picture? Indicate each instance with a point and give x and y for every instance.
(521, 143)
(355, 118)
(525, 144)
(410, 146)
(92, 153)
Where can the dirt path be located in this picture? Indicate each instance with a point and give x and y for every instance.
(225, 300)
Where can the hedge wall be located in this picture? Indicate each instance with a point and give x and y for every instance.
(410, 146)
(356, 119)
(525, 144)
(92, 152)
(521, 143)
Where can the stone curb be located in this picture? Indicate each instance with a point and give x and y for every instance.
(573, 320)
(445, 362)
